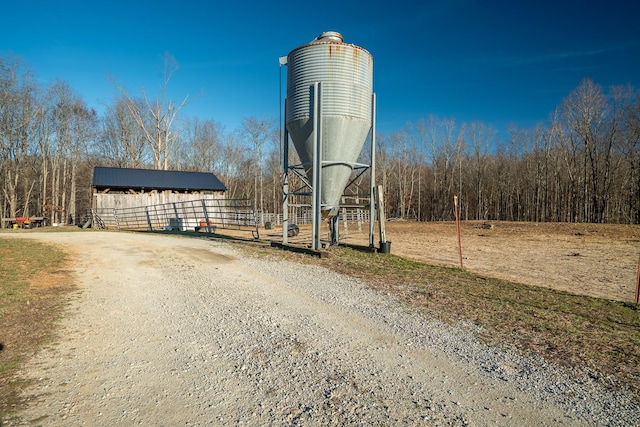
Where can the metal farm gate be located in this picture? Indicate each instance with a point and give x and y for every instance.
(194, 215)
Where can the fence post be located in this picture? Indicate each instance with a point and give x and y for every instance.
(146, 211)
(115, 217)
(345, 221)
(206, 215)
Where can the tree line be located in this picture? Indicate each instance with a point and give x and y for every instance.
(581, 166)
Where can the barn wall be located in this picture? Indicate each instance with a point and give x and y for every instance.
(110, 201)
(105, 203)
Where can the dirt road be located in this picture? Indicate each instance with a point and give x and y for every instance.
(183, 331)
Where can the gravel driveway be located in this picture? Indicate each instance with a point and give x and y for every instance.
(176, 331)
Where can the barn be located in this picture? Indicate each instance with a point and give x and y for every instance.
(121, 189)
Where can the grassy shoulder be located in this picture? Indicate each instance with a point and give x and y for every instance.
(568, 329)
(33, 287)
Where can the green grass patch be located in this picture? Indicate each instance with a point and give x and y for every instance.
(20, 261)
(10, 365)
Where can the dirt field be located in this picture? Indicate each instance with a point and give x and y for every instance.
(589, 259)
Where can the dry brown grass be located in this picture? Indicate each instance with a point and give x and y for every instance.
(598, 260)
(33, 288)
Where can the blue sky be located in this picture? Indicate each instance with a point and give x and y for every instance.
(497, 62)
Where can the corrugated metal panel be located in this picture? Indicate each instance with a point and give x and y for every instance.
(345, 72)
(105, 177)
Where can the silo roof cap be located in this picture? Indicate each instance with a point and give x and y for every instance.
(325, 38)
(329, 36)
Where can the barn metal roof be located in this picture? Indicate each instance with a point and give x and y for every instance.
(150, 179)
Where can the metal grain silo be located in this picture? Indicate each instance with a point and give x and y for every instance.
(336, 123)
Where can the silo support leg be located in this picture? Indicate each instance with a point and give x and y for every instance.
(334, 228)
(384, 245)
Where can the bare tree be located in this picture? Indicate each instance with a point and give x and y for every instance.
(404, 171)
(73, 127)
(122, 141)
(201, 150)
(84, 130)
(630, 150)
(594, 124)
(230, 167)
(156, 116)
(481, 137)
(257, 133)
(19, 109)
(439, 137)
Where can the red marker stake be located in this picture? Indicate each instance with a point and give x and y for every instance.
(638, 284)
